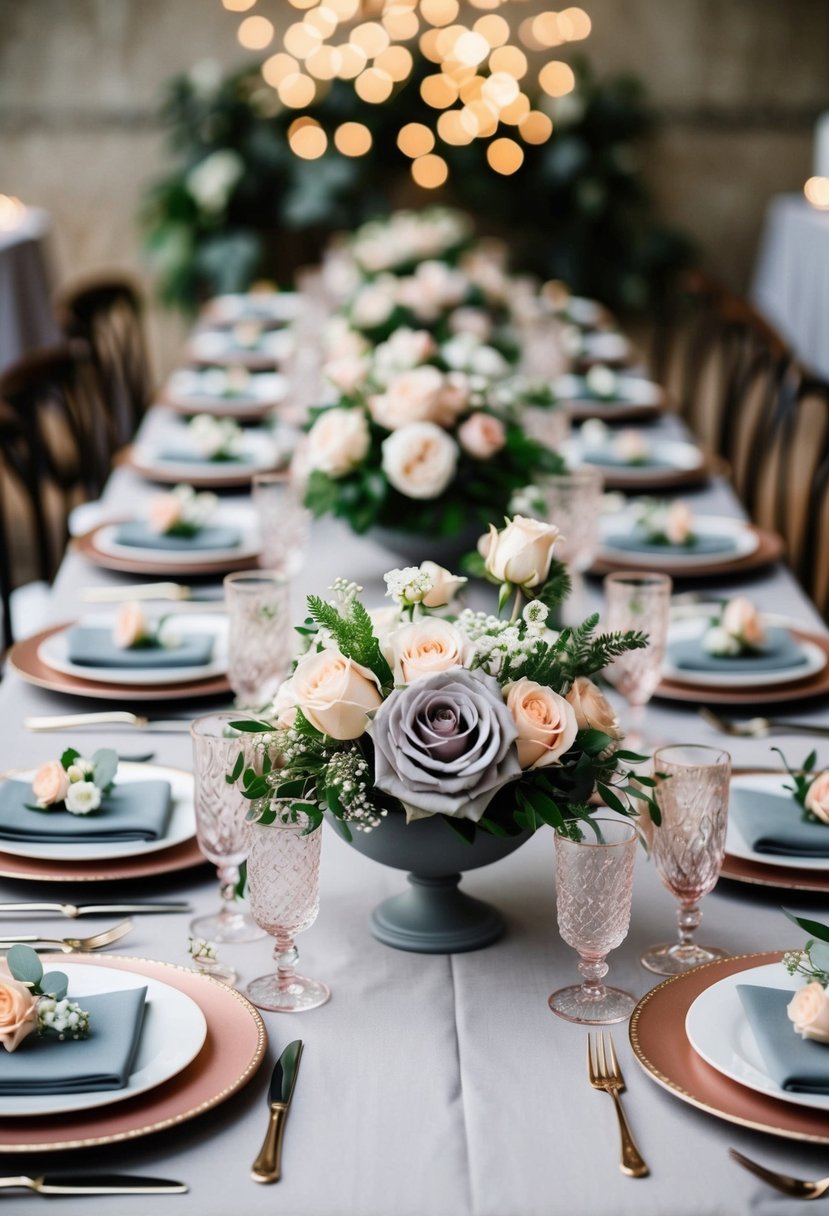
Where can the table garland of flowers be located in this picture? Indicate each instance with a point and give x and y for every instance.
(495, 724)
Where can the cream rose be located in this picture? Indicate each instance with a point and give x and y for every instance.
(742, 620)
(338, 441)
(521, 552)
(817, 797)
(592, 709)
(348, 372)
(482, 435)
(130, 625)
(335, 694)
(422, 394)
(426, 647)
(283, 710)
(809, 1010)
(445, 586)
(546, 723)
(679, 523)
(18, 1013)
(51, 783)
(472, 321)
(165, 511)
(374, 303)
(420, 460)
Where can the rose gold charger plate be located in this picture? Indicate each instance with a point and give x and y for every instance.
(661, 1046)
(232, 1052)
(582, 409)
(253, 360)
(769, 549)
(658, 479)
(23, 657)
(164, 861)
(87, 546)
(219, 407)
(224, 476)
(815, 685)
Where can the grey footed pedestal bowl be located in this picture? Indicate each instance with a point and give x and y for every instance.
(414, 548)
(433, 916)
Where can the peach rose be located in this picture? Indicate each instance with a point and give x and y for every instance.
(51, 783)
(679, 523)
(348, 372)
(335, 694)
(130, 625)
(521, 552)
(338, 441)
(742, 620)
(592, 709)
(425, 647)
(164, 513)
(18, 1013)
(445, 586)
(809, 1010)
(546, 722)
(482, 435)
(817, 797)
(421, 394)
(420, 460)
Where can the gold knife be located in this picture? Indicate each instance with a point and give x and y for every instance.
(268, 1165)
(95, 1184)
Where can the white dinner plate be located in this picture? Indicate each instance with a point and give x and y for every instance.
(181, 827)
(603, 346)
(172, 1035)
(240, 517)
(629, 390)
(719, 1032)
(737, 846)
(201, 391)
(675, 453)
(258, 453)
(745, 540)
(221, 346)
(282, 306)
(54, 652)
(694, 628)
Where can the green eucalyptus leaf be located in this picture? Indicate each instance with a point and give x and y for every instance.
(819, 954)
(106, 766)
(56, 984)
(813, 927)
(24, 964)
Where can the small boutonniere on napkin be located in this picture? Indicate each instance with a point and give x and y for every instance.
(215, 438)
(810, 789)
(809, 1007)
(664, 523)
(602, 382)
(34, 1003)
(74, 783)
(182, 512)
(737, 631)
(134, 631)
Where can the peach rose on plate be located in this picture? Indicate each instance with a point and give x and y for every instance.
(130, 625)
(742, 621)
(482, 435)
(165, 511)
(338, 441)
(809, 1011)
(592, 709)
(18, 1013)
(425, 647)
(51, 783)
(335, 694)
(521, 553)
(546, 722)
(420, 460)
(817, 797)
(679, 523)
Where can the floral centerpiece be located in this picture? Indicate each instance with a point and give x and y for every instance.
(402, 240)
(481, 726)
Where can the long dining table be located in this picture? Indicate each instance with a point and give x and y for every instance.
(434, 1084)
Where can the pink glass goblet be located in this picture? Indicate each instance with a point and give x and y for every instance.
(641, 602)
(260, 634)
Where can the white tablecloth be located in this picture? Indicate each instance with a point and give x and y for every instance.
(435, 1085)
(791, 283)
(26, 320)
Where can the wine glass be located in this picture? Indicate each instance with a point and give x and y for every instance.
(259, 635)
(222, 830)
(573, 502)
(283, 880)
(688, 846)
(639, 601)
(283, 521)
(594, 889)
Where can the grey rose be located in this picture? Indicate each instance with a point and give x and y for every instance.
(446, 744)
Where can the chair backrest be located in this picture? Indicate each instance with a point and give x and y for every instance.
(107, 314)
(24, 529)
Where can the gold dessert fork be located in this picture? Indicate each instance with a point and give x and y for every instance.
(604, 1073)
(70, 945)
(797, 1188)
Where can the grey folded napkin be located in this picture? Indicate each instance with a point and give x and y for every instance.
(133, 810)
(780, 652)
(187, 456)
(798, 1065)
(139, 534)
(702, 546)
(92, 646)
(609, 459)
(103, 1061)
(773, 823)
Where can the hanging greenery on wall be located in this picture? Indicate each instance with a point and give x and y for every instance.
(241, 206)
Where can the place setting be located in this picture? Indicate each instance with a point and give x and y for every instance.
(224, 392)
(208, 453)
(633, 460)
(610, 395)
(271, 309)
(249, 343)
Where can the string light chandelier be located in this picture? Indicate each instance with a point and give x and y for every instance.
(486, 67)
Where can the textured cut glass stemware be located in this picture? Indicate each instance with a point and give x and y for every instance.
(222, 830)
(283, 521)
(260, 635)
(283, 877)
(642, 602)
(594, 890)
(688, 847)
(573, 502)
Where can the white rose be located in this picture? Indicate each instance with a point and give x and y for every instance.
(412, 396)
(385, 620)
(472, 321)
(445, 585)
(404, 349)
(809, 1010)
(602, 381)
(482, 435)
(521, 552)
(546, 723)
(211, 181)
(374, 303)
(632, 447)
(130, 625)
(432, 289)
(420, 460)
(82, 797)
(335, 694)
(284, 707)
(425, 647)
(348, 372)
(338, 441)
(718, 641)
(742, 620)
(679, 523)
(817, 797)
(341, 341)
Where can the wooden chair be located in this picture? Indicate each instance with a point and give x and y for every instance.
(24, 531)
(107, 314)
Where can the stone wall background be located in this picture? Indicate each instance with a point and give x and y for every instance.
(739, 84)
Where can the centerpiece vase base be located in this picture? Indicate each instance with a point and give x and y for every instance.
(435, 917)
(609, 1005)
(671, 959)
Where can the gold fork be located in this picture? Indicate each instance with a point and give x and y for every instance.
(798, 1188)
(83, 945)
(760, 728)
(604, 1073)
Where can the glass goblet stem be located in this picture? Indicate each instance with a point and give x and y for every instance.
(594, 969)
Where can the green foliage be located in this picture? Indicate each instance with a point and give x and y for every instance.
(802, 779)
(354, 635)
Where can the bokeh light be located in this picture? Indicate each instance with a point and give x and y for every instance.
(430, 171)
(505, 155)
(352, 139)
(255, 33)
(307, 138)
(817, 191)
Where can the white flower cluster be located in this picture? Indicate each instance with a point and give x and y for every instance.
(201, 950)
(215, 438)
(407, 236)
(347, 773)
(345, 592)
(494, 640)
(83, 795)
(64, 1018)
(409, 585)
